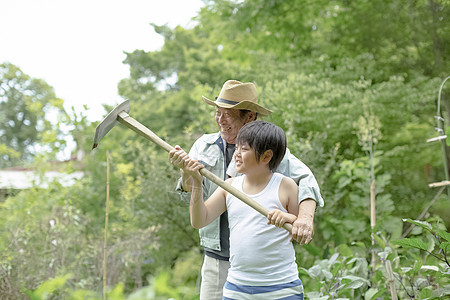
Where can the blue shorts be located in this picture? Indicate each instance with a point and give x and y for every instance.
(286, 291)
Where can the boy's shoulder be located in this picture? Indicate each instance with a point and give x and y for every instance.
(283, 177)
(229, 180)
(287, 182)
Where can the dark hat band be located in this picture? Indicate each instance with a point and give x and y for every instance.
(221, 100)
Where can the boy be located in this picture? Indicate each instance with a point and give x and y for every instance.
(262, 257)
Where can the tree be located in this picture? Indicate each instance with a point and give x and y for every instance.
(403, 36)
(25, 104)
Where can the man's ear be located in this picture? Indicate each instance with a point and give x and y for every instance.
(267, 156)
(251, 116)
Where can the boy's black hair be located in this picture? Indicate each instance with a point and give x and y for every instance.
(262, 136)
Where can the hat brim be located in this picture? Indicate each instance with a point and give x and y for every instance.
(243, 105)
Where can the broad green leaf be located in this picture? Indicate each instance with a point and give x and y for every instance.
(316, 296)
(374, 293)
(314, 271)
(445, 291)
(82, 295)
(444, 245)
(444, 234)
(48, 287)
(333, 259)
(421, 282)
(370, 293)
(143, 293)
(407, 270)
(344, 250)
(117, 292)
(32, 295)
(429, 268)
(424, 225)
(328, 275)
(431, 243)
(336, 268)
(411, 243)
(354, 282)
(356, 278)
(426, 292)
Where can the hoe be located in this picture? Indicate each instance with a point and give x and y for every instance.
(120, 115)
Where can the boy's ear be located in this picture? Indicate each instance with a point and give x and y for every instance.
(267, 156)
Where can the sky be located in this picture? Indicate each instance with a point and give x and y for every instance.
(77, 46)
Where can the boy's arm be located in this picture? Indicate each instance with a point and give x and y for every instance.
(202, 213)
(288, 194)
(300, 215)
(278, 218)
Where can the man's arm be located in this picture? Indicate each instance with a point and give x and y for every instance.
(300, 215)
(308, 187)
(177, 157)
(186, 182)
(303, 227)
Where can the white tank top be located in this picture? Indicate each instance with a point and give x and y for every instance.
(260, 254)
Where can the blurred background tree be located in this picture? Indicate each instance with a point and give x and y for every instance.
(29, 113)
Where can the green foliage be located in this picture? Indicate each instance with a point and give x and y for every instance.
(338, 76)
(402, 38)
(25, 104)
(45, 290)
(437, 247)
(342, 275)
(414, 243)
(346, 273)
(420, 268)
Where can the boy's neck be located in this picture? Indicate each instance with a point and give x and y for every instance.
(258, 177)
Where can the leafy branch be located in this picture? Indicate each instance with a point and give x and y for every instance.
(439, 236)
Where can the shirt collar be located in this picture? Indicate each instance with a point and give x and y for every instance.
(212, 138)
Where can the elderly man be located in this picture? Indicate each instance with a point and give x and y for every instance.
(237, 105)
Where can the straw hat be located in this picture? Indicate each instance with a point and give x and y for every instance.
(238, 95)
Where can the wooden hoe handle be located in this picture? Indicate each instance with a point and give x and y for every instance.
(131, 123)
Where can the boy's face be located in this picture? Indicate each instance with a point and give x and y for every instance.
(245, 158)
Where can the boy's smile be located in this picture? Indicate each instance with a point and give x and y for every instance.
(245, 158)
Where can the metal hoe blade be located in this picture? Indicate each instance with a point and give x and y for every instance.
(110, 121)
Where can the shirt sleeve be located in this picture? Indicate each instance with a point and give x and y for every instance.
(186, 196)
(308, 188)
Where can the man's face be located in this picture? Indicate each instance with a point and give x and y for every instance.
(229, 122)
